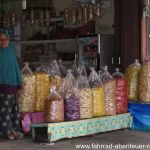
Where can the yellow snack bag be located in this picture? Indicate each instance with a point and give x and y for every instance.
(97, 91)
(132, 75)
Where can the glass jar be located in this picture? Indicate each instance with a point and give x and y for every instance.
(79, 15)
(47, 17)
(32, 17)
(13, 19)
(66, 16)
(24, 22)
(41, 18)
(98, 11)
(85, 14)
(90, 12)
(73, 18)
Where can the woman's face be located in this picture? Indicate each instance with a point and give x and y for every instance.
(4, 41)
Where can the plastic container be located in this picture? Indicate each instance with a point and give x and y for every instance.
(97, 89)
(121, 92)
(132, 75)
(109, 91)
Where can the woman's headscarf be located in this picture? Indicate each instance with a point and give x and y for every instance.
(10, 75)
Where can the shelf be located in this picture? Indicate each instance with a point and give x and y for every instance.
(89, 56)
(46, 41)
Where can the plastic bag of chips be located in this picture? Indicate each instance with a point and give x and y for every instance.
(42, 87)
(121, 92)
(54, 107)
(27, 95)
(144, 83)
(109, 91)
(85, 96)
(71, 99)
(97, 89)
(132, 75)
(54, 75)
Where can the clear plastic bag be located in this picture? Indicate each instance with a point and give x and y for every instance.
(67, 85)
(144, 82)
(132, 74)
(42, 87)
(74, 69)
(100, 74)
(109, 91)
(121, 92)
(27, 95)
(55, 76)
(97, 89)
(54, 107)
(82, 69)
(63, 70)
(85, 96)
(71, 100)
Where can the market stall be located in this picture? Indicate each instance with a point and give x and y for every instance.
(70, 129)
(77, 102)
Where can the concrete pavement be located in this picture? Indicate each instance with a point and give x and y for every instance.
(94, 142)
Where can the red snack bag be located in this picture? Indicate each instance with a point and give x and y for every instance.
(121, 92)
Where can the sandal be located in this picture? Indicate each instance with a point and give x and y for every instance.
(10, 136)
(17, 135)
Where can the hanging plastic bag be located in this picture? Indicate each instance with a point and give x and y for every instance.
(55, 76)
(74, 69)
(144, 83)
(132, 75)
(41, 88)
(109, 91)
(71, 99)
(121, 92)
(85, 96)
(27, 95)
(63, 70)
(54, 107)
(97, 89)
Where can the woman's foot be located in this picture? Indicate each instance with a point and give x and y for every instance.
(17, 135)
(10, 136)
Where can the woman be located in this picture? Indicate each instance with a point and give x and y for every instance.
(10, 83)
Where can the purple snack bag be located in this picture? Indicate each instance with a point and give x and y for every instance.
(71, 100)
(72, 108)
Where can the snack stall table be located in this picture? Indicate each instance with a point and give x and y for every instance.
(70, 129)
